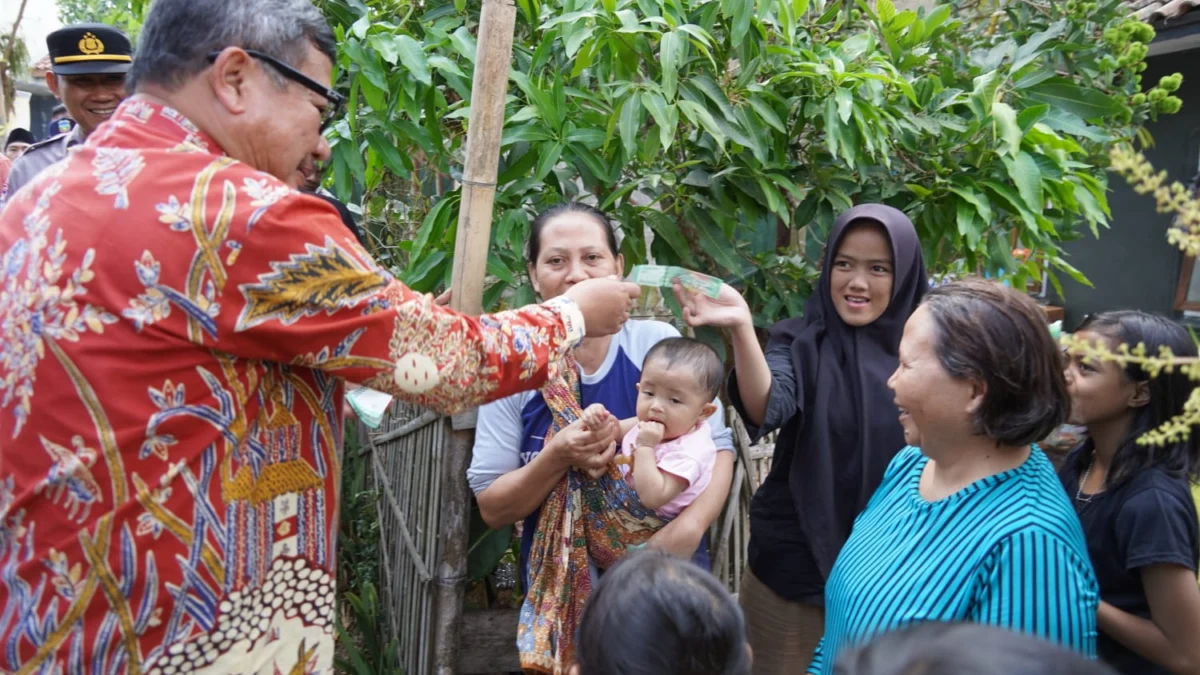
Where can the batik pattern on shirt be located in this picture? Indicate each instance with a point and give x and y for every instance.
(175, 331)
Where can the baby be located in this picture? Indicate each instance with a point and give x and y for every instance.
(668, 447)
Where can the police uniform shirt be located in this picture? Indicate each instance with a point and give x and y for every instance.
(38, 157)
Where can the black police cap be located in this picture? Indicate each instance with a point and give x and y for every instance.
(89, 49)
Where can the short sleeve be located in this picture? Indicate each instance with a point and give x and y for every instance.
(1156, 527)
(782, 401)
(687, 457)
(497, 449)
(1033, 583)
(304, 292)
(681, 465)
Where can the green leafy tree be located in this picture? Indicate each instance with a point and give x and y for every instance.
(14, 59)
(124, 14)
(727, 134)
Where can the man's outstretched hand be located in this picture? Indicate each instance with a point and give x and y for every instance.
(604, 303)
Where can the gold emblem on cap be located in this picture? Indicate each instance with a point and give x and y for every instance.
(90, 44)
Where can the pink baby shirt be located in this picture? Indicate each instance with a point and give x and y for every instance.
(691, 457)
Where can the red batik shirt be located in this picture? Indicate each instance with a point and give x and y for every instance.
(176, 330)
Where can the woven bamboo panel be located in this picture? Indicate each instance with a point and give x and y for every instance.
(406, 452)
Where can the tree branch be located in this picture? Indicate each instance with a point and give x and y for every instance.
(12, 38)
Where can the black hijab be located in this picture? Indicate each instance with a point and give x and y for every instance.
(846, 427)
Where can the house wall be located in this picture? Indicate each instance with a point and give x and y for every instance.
(1131, 265)
(40, 106)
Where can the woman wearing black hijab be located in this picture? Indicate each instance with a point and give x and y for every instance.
(823, 382)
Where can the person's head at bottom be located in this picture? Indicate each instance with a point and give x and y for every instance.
(963, 649)
(655, 614)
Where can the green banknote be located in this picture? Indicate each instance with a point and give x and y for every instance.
(663, 276)
(369, 405)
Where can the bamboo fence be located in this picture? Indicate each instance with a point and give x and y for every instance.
(420, 459)
(407, 453)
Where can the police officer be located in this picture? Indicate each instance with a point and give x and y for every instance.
(60, 121)
(88, 66)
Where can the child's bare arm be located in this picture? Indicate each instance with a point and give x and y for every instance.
(654, 486)
(627, 424)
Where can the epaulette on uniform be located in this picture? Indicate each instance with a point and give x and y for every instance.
(46, 142)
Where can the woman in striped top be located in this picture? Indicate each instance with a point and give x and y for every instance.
(970, 522)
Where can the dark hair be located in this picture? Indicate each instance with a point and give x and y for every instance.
(1000, 337)
(963, 649)
(693, 355)
(1168, 394)
(655, 614)
(533, 247)
(179, 34)
(59, 109)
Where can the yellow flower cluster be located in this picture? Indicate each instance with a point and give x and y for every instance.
(1172, 197)
(1169, 198)
(1174, 429)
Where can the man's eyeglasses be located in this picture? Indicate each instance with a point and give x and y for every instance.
(334, 100)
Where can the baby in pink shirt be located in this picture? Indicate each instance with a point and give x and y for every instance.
(668, 448)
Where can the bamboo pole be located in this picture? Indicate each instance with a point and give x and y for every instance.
(492, 60)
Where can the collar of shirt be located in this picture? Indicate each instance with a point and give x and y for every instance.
(75, 137)
(153, 125)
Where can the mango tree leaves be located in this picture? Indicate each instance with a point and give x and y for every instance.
(630, 120)
(1025, 174)
(1060, 93)
(1007, 131)
(669, 49)
(412, 56)
(706, 122)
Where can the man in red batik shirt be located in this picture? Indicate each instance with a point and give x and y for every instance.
(176, 325)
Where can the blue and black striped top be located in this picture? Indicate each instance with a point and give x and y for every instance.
(1006, 550)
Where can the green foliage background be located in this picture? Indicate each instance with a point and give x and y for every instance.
(124, 14)
(726, 135)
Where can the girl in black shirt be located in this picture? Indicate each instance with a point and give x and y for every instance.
(1134, 500)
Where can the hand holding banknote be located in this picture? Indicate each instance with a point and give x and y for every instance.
(665, 276)
(727, 310)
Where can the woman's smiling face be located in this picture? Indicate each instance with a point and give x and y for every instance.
(862, 276)
(574, 247)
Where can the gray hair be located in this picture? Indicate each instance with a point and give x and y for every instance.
(178, 35)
